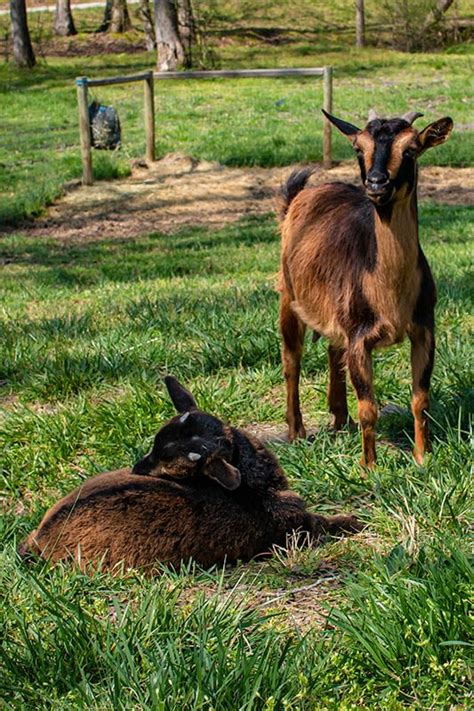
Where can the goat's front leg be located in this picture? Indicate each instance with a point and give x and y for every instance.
(292, 331)
(422, 359)
(359, 362)
(337, 393)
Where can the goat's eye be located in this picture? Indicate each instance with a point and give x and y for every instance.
(409, 153)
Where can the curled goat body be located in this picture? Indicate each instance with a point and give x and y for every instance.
(353, 270)
(206, 492)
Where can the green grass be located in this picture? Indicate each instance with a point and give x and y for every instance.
(236, 122)
(87, 330)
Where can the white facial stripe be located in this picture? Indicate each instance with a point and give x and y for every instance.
(184, 417)
(194, 456)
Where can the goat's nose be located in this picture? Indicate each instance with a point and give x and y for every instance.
(376, 181)
(376, 178)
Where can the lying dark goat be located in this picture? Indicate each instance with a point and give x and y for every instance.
(353, 270)
(206, 492)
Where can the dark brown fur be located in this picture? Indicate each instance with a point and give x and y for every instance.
(164, 512)
(353, 270)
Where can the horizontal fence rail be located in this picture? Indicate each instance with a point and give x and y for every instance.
(243, 73)
(83, 83)
(144, 76)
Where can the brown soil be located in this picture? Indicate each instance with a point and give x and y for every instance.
(304, 598)
(89, 45)
(92, 46)
(43, 3)
(179, 191)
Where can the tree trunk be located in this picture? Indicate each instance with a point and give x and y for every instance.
(145, 15)
(360, 23)
(63, 21)
(174, 27)
(186, 29)
(120, 19)
(22, 50)
(106, 19)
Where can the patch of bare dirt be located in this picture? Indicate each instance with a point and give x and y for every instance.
(179, 191)
(93, 45)
(86, 46)
(305, 592)
(301, 605)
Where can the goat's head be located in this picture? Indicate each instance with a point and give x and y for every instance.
(387, 150)
(191, 444)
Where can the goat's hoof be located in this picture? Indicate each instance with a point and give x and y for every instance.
(353, 524)
(348, 523)
(366, 467)
(340, 423)
(299, 433)
(418, 457)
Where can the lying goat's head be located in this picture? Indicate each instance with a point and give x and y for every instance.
(192, 443)
(387, 150)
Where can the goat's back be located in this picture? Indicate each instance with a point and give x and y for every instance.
(140, 520)
(328, 229)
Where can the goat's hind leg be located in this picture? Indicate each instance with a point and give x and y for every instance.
(359, 362)
(337, 392)
(422, 359)
(292, 331)
(337, 525)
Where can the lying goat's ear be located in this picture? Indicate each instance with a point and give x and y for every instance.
(180, 397)
(144, 466)
(224, 473)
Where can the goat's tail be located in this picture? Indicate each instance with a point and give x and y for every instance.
(289, 190)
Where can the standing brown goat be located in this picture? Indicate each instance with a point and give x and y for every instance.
(352, 269)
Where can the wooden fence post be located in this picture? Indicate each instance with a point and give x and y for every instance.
(360, 23)
(327, 101)
(149, 118)
(84, 130)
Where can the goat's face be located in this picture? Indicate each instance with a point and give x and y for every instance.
(387, 150)
(191, 444)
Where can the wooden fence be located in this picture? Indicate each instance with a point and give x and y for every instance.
(83, 84)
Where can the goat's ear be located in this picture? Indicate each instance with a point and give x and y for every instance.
(143, 466)
(180, 397)
(436, 133)
(224, 473)
(348, 129)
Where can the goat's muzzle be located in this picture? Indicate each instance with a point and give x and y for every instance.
(379, 191)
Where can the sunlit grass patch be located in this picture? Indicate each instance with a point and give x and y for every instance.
(373, 621)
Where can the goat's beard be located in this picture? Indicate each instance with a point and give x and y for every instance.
(383, 198)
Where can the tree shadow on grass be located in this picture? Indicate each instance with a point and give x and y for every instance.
(449, 410)
(174, 332)
(185, 253)
(152, 257)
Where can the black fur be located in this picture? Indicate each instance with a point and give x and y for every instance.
(186, 513)
(348, 129)
(423, 315)
(289, 190)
